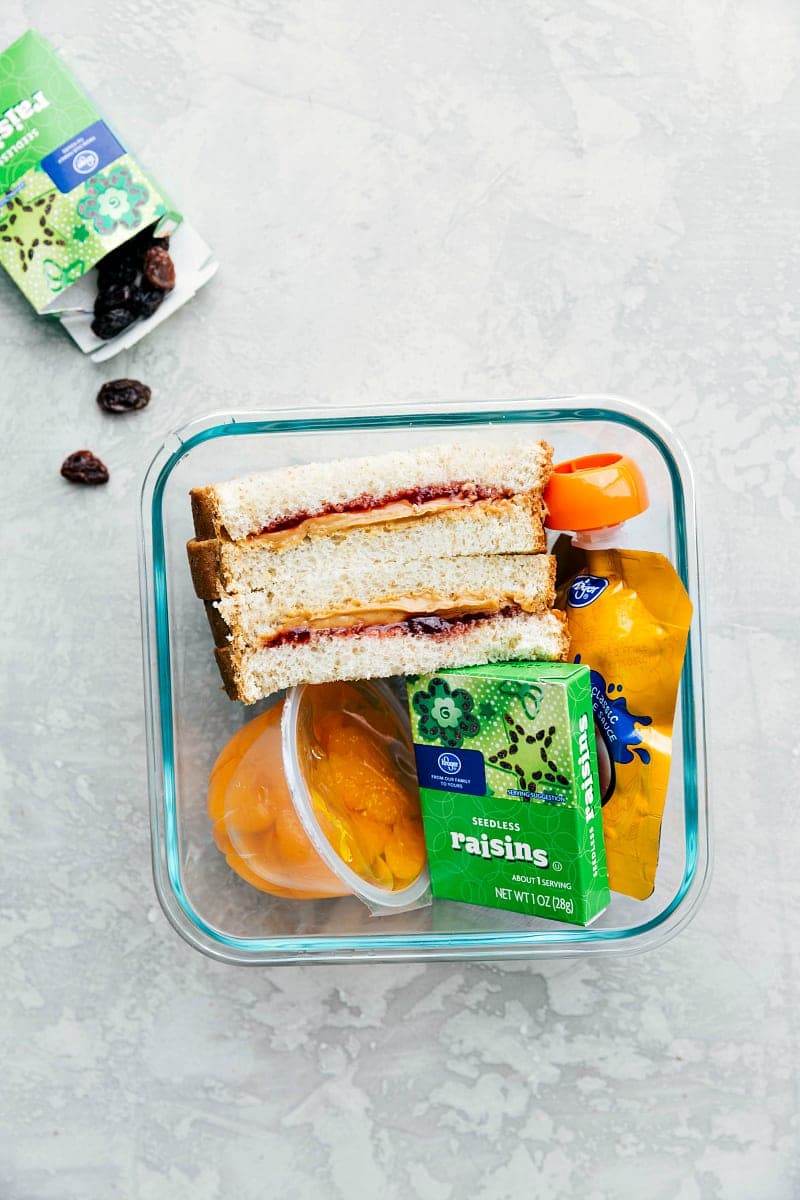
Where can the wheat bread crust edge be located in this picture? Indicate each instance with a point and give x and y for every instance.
(224, 657)
(204, 566)
(220, 629)
(205, 513)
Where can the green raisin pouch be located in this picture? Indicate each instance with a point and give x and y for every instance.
(71, 192)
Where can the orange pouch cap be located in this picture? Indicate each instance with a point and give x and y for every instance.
(594, 491)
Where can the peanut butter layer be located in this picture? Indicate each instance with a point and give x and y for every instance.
(400, 608)
(455, 494)
(324, 524)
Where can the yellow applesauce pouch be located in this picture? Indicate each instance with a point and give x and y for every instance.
(628, 616)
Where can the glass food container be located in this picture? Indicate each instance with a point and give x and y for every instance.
(189, 718)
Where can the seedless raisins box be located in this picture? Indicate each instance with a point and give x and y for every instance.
(70, 193)
(189, 718)
(507, 769)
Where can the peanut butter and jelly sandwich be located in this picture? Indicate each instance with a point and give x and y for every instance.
(391, 564)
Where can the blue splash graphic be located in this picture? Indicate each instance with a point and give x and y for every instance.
(615, 722)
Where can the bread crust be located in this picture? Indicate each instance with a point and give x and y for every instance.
(227, 670)
(204, 565)
(204, 512)
(219, 626)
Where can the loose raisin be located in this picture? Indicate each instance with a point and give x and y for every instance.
(158, 268)
(114, 295)
(120, 266)
(147, 299)
(108, 324)
(133, 281)
(84, 467)
(433, 625)
(123, 395)
(145, 239)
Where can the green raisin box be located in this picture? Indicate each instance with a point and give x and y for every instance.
(507, 766)
(71, 192)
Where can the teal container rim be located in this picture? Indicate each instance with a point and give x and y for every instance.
(429, 946)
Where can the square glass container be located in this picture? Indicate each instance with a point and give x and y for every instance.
(189, 718)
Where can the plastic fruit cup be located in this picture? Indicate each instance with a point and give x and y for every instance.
(317, 797)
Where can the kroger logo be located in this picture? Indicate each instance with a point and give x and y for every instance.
(584, 589)
(85, 161)
(450, 763)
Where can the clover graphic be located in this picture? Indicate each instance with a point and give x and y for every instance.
(445, 716)
(61, 277)
(112, 200)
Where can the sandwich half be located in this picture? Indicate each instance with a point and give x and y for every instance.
(415, 646)
(394, 564)
(220, 567)
(317, 499)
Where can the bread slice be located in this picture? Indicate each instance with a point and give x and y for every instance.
(251, 674)
(391, 592)
(245, 507)
(512, 526)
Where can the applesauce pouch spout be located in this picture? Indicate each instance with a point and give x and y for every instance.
(628, 615)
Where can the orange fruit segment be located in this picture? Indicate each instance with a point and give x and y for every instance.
(405, 850)
(363, 786)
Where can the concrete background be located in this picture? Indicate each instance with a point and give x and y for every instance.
(459, 199)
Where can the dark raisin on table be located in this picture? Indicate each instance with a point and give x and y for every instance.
(84, 467)
(108, 324)
(123, 395)
(158, 268)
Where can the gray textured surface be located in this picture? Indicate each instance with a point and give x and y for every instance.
(454, 199)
